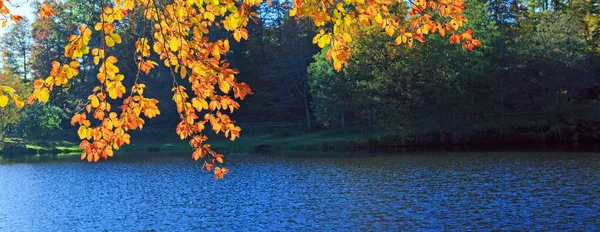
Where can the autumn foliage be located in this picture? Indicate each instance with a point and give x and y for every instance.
(182, 40)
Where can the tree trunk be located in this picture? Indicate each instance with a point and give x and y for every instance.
(502, 100)
(306, 106)
(24, 64)
(302, 72)
(342, 120)
(370, 118)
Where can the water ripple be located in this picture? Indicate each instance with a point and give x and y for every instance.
(427, 191)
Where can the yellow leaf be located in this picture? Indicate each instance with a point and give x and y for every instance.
(19, 102)
(323, 41)
(237, 35)
(231, 23)
(316, 38)
(88, 133)
(210, 16)
(183, 72)
(216, 52)
(7, 89)
(95, 102)
(109, 41)
(348, 20)
(224, 86)
(347, 38)
(173, 44)
(68, 72)
(82, 132)
(389, 30)
(74, 64)
(226, 45)
(116, 38)
(398, 40)
(337, 65)
(425, 29)
(44, 95)
(3, 100)
(112, 93)
(378, 19)
(293, 12)
(197, 104)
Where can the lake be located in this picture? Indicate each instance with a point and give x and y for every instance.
(389, 192)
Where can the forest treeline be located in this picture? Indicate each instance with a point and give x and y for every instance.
(535, 78)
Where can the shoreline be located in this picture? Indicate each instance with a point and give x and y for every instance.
(262, 144)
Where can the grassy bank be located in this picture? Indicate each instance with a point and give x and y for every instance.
(349, 139)
(33, 147)
(338, 139)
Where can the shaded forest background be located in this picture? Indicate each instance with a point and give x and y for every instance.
(535, 79)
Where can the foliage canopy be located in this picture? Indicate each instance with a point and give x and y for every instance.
(180, 34)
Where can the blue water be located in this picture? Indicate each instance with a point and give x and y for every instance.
(422, 191)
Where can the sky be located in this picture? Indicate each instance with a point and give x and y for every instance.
(24, 10)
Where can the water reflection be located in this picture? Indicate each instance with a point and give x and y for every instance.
(423, 191)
